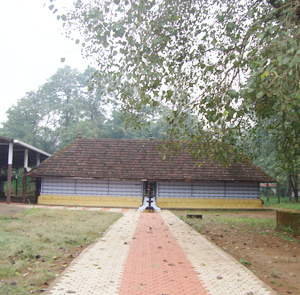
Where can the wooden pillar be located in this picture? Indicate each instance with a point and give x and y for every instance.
(268, 192)
(9, 170)
(278, 193)
(16, 178)
(37, 189)
(38, 180)
(24, 175)
(38, 160)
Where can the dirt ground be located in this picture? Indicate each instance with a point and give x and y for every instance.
(272, 255)
(58, 266)
(11, 208)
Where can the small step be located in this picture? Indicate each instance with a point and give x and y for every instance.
(149, 210)
(199, 216)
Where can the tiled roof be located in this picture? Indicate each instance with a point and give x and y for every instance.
(140, 159)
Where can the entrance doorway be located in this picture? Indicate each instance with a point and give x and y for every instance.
(149, 189)
(149, 195)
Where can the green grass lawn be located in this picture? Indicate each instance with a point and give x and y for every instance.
(34, 241)
(225, 217)
(284, 203)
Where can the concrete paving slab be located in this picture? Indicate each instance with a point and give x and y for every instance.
(220, 272)
(156, 253)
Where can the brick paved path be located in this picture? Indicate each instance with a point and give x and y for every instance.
(156, 264)
(155, 254)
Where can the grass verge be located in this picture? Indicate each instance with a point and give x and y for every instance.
(37, 244)
(228, 218)
(284, 203)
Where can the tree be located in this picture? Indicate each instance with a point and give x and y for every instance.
(70, 101)
(232, 64)
(51, 117)
(24, 119)
(265, 151)
(116, 126)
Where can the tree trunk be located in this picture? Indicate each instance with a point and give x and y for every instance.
(296, 189)
(289, 192)
(293, 181)
(296, 194)
(278, 193)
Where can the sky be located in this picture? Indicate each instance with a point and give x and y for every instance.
(31, 48)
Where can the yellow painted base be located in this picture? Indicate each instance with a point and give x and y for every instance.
(185, 203)
(123, 202)
(134, 202)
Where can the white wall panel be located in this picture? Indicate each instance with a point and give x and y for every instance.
(58, 186)
(91, 187)
(208, 190)
(125, 188)
(242, 190)
(174, 190)
(211, 190)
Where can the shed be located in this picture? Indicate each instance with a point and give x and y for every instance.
(15, 154)
(120, 173)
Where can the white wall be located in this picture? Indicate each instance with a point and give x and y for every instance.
(216, 190)
(133, 188)
(91, 187)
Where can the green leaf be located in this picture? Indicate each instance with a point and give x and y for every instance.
(62, 59)
(155, 84)
(214, 41)
(286, 60)
(122, 51)
(169, 93)
(261, 35)
(259, 94)
(156, 41)
(155, 103)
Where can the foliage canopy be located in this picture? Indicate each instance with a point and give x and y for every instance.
(51, 117)
(232, 64)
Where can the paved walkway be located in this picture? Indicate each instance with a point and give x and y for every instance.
(155, 253)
